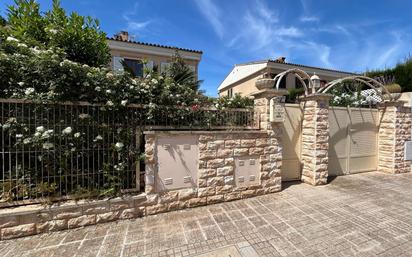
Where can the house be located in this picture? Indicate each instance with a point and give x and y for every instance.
(137, 55)
(242, 77)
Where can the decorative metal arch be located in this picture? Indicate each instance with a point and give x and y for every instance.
(300, 74)
(372, 83)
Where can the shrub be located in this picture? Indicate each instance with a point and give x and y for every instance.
(237, 101)
(80, 37)
(402, 73)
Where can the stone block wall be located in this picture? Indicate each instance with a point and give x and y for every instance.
(315, 140)
(216, 183)
(216, 171)
(394, 130)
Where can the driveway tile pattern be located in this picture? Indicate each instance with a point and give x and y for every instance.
(366, 214)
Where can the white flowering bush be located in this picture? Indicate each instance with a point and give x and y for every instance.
(350, 95)
(71, 148)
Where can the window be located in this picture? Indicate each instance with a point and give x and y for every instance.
(298, 84)
(135, 66)
(164, 66)
(230, 92)
(117, 64)
(282, 82)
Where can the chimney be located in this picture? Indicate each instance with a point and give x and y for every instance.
(281, 59)
(122, 35)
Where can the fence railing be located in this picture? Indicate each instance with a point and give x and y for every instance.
(78, 149)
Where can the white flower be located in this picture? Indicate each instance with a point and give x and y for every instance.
(20, 84)
(67, 131)
(98, 89)
(12, 39)
(37, 134)
(29, 90)
(108, 91)
(40, 129)
(119, 146)
(19, 135)
(47, 133)
(48, 146)
(109, 103)
(84, 116)
(53, 31)
(154, 81)
(98, 138)
(26, 141)
(124, 102)
(21, 45)
(77, 134)
(86, 84)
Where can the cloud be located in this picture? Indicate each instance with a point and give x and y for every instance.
(305, 18)
(137, 26)
(263, 10)
(212, 13)
(132, 24)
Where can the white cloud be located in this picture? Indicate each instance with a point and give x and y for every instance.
(137, 26)
(309, 18)
(212, 14)
(132, 24)
(263, 10)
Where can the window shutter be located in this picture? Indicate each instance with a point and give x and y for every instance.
(164, 66)
(149, 65)
(117, 63)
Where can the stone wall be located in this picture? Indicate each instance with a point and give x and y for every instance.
(216, 183)
(394, 130)
(216, 178)
(35, 219)
(315, 139)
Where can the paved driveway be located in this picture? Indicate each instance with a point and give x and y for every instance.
(360, 215)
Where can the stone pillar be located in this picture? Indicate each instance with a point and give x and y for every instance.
(271, 160)
(394, 130)
(262, 106)
(315, 139)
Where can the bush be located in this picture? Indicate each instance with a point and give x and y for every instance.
(402, 73)
(79, 37)
(236, 101)
(294, 93)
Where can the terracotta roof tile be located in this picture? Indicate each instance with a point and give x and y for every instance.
(156, 45)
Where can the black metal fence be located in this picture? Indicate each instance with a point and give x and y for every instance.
(78, 150)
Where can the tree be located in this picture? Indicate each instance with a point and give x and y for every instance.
(80, 37)
(402, 73)
(182, 74)
(3, 22)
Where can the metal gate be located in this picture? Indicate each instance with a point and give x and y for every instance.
(291, 141)
(352, 140)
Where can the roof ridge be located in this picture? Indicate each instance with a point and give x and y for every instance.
(308, 66)
(155, 45)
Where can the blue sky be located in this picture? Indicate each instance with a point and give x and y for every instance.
(350, 35)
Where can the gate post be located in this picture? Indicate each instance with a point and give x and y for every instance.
(394, 130)
(271, 160)
(315, 139)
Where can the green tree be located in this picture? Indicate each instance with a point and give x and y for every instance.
(26, 22)
(3, 22)
(402, 73)
(80, 37)
(182, 74)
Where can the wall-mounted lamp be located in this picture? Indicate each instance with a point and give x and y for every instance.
(315, 83)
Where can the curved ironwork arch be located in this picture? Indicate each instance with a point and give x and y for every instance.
(372, 83)
(300, 74)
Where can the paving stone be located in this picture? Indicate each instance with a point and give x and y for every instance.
(359, 215)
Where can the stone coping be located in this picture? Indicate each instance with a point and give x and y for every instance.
(36, 208)
(195, 132)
